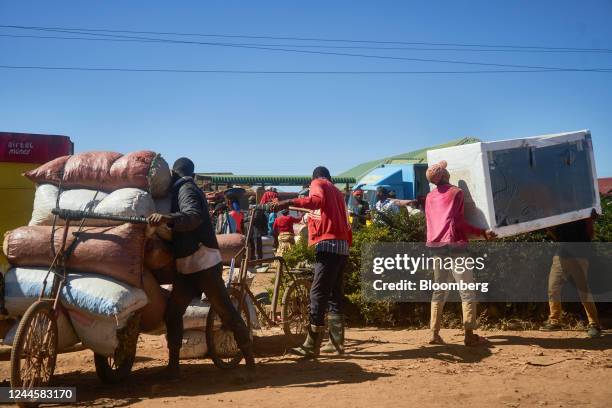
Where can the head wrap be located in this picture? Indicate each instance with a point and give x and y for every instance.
(437, 172)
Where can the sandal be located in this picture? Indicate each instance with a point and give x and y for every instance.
(475, 340)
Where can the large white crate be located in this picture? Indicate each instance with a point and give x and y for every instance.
(522, 185)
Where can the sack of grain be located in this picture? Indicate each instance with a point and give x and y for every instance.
(127, 202)
(112, 251)
(195, 315)
(163, 205)
(194, 345)
(96, 295)
(107, 171)
(229, 245)
(165, 275)
(158, 254)
(96, 333)
(66, 336)
(152, 315)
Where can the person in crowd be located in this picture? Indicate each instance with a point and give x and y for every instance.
(225, 223)
(392, 195)
(199, 267)
(237, 215)
(283, 231)
(270, 195)
(447, 234)
(260, 230)
(571, 261)
(385, 207)
(271, 218)
(330, 233)
(360, 211)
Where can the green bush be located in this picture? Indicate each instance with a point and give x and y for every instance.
(404, 227)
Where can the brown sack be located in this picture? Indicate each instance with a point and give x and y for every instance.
(229, 245)
(106, 171)
(158, 254)
(165, 275)
(112, 251)
(152, 314)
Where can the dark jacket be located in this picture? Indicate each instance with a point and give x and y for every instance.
(260, 223)
(191, 224)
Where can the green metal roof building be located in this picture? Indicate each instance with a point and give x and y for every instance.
(416, 156)
(348, 177)
(264, 179)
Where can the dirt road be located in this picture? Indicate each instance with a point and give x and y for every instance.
(383, 368)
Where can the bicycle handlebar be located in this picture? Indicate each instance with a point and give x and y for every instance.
(78, 215)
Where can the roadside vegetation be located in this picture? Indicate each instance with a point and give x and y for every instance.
(411, 228)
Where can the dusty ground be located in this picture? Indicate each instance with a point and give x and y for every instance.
(382, 368)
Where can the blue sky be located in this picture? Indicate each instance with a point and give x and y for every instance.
(272, 124)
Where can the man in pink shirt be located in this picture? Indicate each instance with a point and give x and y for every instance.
(447, 232)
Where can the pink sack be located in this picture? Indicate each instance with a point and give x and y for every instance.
(107, 171)
(117, 251)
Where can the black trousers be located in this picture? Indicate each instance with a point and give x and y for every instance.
(186, 287)
(327, 290)
(256, 246)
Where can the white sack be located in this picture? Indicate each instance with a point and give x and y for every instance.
(92, 293)
(96, 333)
(194, 345)
(195, 315)
(122, 202)
(66, 336)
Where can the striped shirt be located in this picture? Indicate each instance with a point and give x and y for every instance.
(333, 246)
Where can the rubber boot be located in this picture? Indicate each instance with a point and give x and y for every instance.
(173, 369)
(312, 344)
(335, 329)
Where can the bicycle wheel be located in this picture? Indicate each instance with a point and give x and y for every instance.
(34, 351)
(294, 312)
(222, 347)
(115, 368)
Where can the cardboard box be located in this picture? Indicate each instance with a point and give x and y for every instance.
(522, 185)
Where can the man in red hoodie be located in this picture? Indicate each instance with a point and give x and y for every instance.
(330, 233)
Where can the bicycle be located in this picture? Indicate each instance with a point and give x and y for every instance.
(294, 311)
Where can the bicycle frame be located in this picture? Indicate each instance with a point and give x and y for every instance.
(244, 255)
